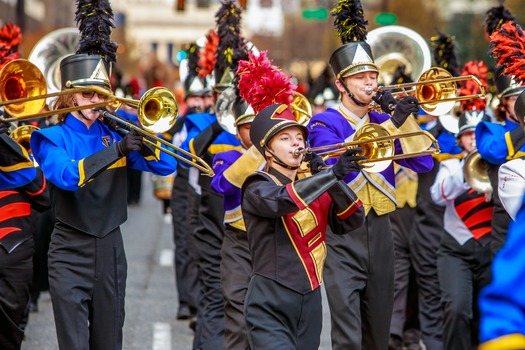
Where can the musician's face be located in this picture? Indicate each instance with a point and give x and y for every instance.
(467, 140)
(243, 134)
(358, 83)
(87, 116)
(509, 103)
(284, 143)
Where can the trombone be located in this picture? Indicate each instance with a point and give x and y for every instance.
(377, 145)
(436, 90)
(23, 95)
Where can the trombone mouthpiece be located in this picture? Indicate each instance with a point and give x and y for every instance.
(369, 90)
(298, 152)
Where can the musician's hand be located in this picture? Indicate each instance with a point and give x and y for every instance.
(316, 163)
(385, 100)
(404, 108)
(347, 163)
(131, 142)
(4, 127)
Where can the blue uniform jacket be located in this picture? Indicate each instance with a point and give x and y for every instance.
(87, 177)
(502, 302)
(494, 144)
(198, 122)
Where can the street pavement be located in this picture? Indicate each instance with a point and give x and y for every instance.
(151, 296)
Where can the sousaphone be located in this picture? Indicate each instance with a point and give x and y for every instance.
(50, 50)
(393, 46)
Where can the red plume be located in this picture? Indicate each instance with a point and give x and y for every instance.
(262, 84)
(10, 39)
(207, 56)
(469, 87)
(508, 48)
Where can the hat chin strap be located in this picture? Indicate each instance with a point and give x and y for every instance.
(359, 103)
(280, 162)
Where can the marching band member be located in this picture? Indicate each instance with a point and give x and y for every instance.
(19, 194)
(231, 169)
(286, 223)
(501, 302)
(206, 137)
(500, 142)
(23, 188)
(464, 254)
(359, 271)
(85, 163)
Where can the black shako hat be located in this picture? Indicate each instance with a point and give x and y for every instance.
(269, 121)
(85, 70)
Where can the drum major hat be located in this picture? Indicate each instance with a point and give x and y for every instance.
(355, 56)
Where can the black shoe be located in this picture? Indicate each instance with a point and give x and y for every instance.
(183, 313)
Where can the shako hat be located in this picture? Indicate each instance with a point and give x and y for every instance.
(270, 93)
(269, 122)
(355, 55)
(91, 65)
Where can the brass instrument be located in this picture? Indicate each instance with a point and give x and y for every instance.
(157, 110)
(394, 46)
(377, 145)
(50, 50)
(476, 174)
(436, 90)
(301, 108)
(22, 136)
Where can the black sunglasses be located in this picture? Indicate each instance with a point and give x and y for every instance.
(90, 94)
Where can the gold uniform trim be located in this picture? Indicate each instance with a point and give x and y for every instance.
(305, 220)
(507, 342)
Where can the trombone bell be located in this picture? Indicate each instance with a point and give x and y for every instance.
(21, 79)
(432, 93)
(374, 150)
(157, 110)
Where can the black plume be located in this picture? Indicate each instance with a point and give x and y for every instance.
(95, 23)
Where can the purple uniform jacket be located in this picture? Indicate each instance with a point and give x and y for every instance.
(331, 127)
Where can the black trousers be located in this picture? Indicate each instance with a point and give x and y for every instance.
(208, 235)
(16, 274)
(280, 318)
(463, 271)
(87, 281)
(405, 313)
(236, 270)
(185, 267)
(359, 282)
